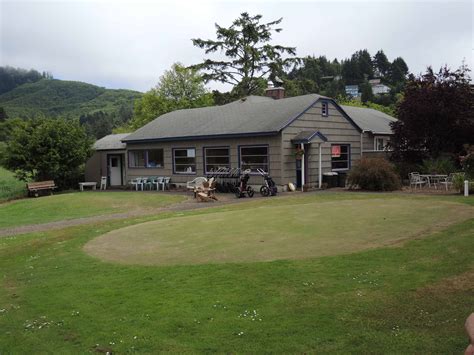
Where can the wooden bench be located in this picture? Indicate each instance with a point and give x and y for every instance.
(34, 188)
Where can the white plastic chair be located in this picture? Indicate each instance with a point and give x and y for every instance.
(103, 183)
(166, 183)
(197, 182)
(137, 182)
(416, 180)
(448, 181)
(159, 182)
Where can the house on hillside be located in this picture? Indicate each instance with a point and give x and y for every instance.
(256, 132)
(378, 88)
(352, 90)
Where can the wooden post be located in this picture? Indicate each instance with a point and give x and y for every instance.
(466, 188)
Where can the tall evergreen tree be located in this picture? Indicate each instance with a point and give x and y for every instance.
(366, 92)
(381, 64)
(398, 70)
(249, 56)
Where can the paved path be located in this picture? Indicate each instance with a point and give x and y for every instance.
(181, 206)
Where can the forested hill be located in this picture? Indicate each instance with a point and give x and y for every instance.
(73, 99)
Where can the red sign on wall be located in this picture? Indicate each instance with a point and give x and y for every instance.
(336, 151)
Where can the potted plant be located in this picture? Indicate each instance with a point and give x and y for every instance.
(299, 153)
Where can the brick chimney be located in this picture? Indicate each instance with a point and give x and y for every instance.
(275, 92)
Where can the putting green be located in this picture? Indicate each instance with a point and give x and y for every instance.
(277, 232)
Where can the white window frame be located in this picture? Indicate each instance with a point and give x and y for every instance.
(385, 142)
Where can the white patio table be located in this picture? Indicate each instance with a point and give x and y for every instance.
(434, 178)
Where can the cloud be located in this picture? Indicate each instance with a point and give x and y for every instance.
(130, 44)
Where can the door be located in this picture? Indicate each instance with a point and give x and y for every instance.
(299, 167)
(298, 173)
(115, 170)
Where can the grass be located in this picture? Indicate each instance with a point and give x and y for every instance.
(10, 187)
(79, 204)
(54, 298)
(277, 232)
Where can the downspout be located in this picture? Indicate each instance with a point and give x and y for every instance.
(320, 173)
(302, 168)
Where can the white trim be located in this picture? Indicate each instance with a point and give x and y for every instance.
(302, 168)
(320, 173)
(384, 140)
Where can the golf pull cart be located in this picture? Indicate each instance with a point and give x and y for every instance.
(269, 187)
(243, 188)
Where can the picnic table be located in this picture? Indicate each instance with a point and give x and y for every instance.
(89, 184)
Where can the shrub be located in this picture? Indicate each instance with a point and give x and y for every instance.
(374, 174)
(48, 149)
(468, 165)
(438, 166)
(458, 183)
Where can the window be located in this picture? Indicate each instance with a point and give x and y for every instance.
(184, 161)
(324, 109)
(113, 162)
(151, 158)
(136, 158)
(380, 143)
(254, 158)
(216, 158)
(340, 156)
(155, 158)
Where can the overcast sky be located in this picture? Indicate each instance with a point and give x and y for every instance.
(128, 44)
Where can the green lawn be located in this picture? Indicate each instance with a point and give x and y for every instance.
(79, 204)
(10, 187)
(412, 298)
(274, 232)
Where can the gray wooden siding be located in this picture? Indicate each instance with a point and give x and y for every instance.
(335, 127)
(368, 142)
(273, 142)
(93, 169)
(96, 166)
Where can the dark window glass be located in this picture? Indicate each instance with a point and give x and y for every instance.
(185, 161)
(324, 108)
(254, 158)
(151, 158)
(155, 158)
(340, 156)
(136, 158)
(216, 158)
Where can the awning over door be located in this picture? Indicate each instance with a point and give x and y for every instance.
(306, 137)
